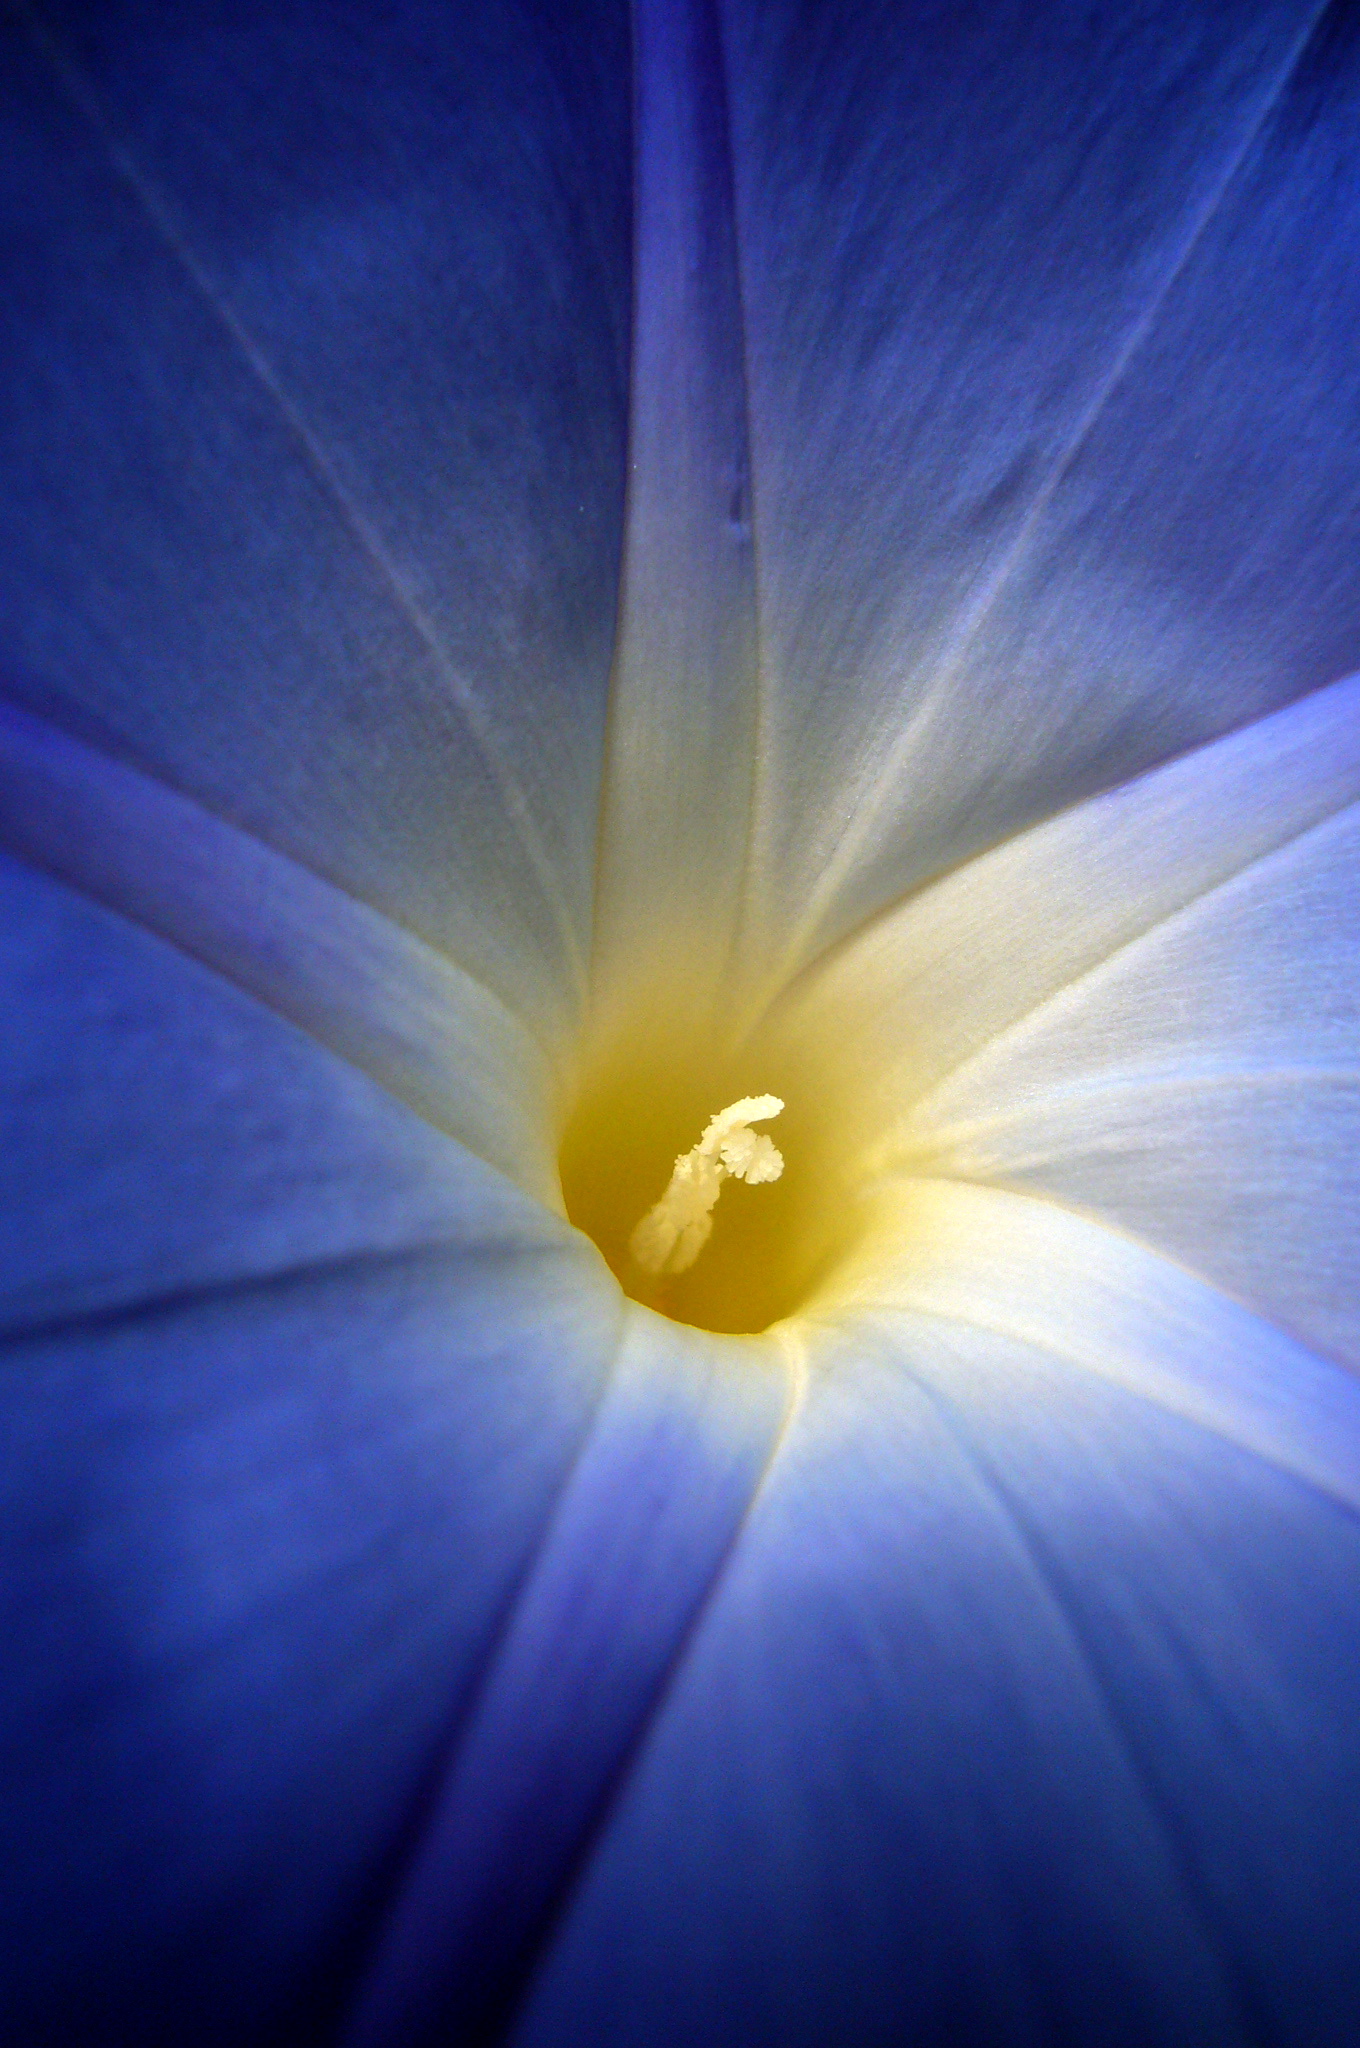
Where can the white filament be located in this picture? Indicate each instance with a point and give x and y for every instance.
(675, 1230)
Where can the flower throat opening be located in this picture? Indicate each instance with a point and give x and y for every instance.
(702, 1217)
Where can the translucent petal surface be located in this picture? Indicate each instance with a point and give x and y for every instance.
(365, 987)
(256, 1547)
(1023, 1714)
(283, 1469)
(290, 1382)
(1201, 1089)
(164, 1134)
(396, 1620)
(653, 1510)
(1044, 314)
(1145, 1007)
(313, 454)
(1024, 1267)
(684, 731)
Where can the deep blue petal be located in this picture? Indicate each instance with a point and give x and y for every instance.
(1055, 413)
(312, 341)
(358, 983)
(652, 1512)
(1025, 1714)
(289, 1383)
(257, 1547)
(1023, 1710)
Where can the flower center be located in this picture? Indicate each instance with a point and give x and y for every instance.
(634, 1179)
(675, 1230)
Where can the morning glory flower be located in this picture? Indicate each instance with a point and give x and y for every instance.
(679, 760)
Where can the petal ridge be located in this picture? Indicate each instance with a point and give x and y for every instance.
(1179, 1851)
(1166, 919)
(1026, 1266)
(859, 827)
(150, 1308)
(160, 214)
(379, 996)
(639, 1540)
(685, 713)
(1092, 879)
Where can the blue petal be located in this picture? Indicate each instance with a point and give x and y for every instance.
(1025, 1706)
(1201, 1089)
(290, 1383)
(653, 1510)
(337, 1600)
(313, 443)
(685, 738)
(1024, 1713)
(1055, 413)
(356, 982)
(257, 1547)
(1146, 1008)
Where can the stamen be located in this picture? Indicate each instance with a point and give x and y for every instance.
(675, 1230)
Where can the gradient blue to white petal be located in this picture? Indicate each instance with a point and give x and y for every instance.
(559, 569)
